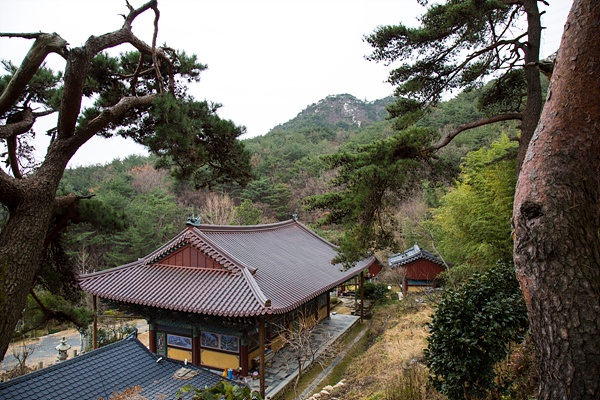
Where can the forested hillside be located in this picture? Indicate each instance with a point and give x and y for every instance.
(136, 207)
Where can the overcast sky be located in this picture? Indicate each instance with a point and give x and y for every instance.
(267, 59)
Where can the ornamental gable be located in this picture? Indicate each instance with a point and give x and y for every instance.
(188, 256)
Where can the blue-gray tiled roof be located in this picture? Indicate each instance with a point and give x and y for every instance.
(412, 254)
(100, 373)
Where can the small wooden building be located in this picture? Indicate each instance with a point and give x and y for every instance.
(419, 267)
(218, 295)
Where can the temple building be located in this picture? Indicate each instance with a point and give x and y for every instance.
(418, 267)
(222, 297)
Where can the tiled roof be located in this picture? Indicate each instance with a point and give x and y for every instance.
(100, 373)
(266, 269)
(412, 254)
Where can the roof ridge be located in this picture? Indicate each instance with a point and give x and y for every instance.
(244, 228)
(162, 250)
(221, 270)
(256, 290)
(109, 270)
(188, 235)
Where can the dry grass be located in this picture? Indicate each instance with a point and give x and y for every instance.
(391, 368)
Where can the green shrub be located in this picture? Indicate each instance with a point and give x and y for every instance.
(112, 334)
(375, 291)
(471, 331)
(222, 390)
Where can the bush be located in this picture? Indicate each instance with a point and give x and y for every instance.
(112, 334)
(375, 291)
(471, 331)
(222, 390)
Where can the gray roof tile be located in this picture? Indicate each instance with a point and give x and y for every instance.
(100, 373)
(412, 254)
(265, 269)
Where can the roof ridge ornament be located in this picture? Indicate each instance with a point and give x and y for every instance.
(193, 221)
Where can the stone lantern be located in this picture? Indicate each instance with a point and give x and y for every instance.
(62, 348)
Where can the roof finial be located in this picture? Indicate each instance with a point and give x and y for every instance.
(193, 221)
(295, 217)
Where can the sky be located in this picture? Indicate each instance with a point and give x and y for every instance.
(267, 59)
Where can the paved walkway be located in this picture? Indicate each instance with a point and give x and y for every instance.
(283, 368)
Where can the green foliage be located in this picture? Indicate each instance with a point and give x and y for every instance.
(277, 196)
(112, 333)
(370, 180)
(471, 331)
(155, 215)
(472, 223)
(145, 218)
(247, 214)
(375, 291)
(44, 306)
(503, 94)
(193, 142)
(223, 390)
(458, 44)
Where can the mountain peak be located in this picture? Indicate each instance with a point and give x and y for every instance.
(341, 111)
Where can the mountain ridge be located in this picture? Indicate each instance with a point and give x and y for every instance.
(340, 111)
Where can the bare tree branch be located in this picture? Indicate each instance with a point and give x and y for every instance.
(480, 122)
(107, 116)
(45, 43)
(13, 160)
(68, 200)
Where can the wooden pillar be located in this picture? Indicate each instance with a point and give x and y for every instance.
(362, 295)
(328, 305)
(196, 347)
(152, 337)
(262, 343)
(244, 355)
(95, 328)
(316, 310)
(404, 286)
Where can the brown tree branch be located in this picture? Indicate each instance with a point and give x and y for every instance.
(69, 200)
(45, 43)
(107, 116)
(22, 124)
(80, 59)
(461, 128)
(17, 124)
(13, 160)
(51, 314)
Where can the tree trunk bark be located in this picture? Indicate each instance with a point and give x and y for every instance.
(556, 217)
(21, 247)
(533, 106)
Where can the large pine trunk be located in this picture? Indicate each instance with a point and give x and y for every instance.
(556, 217)
(21, 246)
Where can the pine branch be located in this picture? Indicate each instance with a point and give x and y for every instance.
(461, 128)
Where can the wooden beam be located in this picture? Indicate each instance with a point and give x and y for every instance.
(261, 339)
(362, 295)
(95, 329)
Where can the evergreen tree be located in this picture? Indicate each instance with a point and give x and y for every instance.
(458, 45)
(139, 94)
